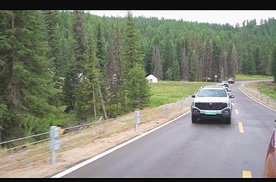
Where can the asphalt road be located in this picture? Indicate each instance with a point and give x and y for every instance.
(181, 149)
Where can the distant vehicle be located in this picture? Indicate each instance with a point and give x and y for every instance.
(212, 102)
(231, 80)
(225, 83)
(270, 158)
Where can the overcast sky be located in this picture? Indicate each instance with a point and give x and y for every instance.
(231, 17)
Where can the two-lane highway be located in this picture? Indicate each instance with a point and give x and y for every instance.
(180, 149)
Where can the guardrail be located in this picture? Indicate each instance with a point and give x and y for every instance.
(48, 156)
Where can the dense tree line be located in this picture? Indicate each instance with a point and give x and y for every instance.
(67, 67)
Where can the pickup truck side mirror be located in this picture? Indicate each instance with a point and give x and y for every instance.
(231, 96)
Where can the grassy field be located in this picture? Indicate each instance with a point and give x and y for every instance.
(165, 92)
(171, 91)
(252, 77)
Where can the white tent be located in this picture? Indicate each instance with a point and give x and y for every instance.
(152, 79)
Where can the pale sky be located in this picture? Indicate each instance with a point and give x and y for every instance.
(231, 17)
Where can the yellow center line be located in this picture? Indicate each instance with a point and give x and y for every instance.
(241, 127)
(237, 112)
(246, 174)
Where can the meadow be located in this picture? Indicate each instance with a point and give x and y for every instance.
(164, 92)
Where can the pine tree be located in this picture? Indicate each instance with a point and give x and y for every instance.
(92, 79)
(175, 70)
(137, 88)
(102, 65)
(192, 66)
(112, 80)
(156, 63)
(223, 66)
(80, 67)
(116, 98)
(233, 62)
(251, 67)
(184, 66)
(209, 61)
(133, 54)
(65, 40)
(273, 66)
(51, 23)
(75, 70)
(29, 83)
(120, 77)
(51, 20)
(5, 69)
(100, 51)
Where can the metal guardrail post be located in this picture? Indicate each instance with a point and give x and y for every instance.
(54, 142)
(136, 119)
(180, 104)
(166, 110)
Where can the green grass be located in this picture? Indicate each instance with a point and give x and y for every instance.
(268, 89)
(252, 77)
(165, 92)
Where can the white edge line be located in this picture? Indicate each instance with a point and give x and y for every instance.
(112, 149)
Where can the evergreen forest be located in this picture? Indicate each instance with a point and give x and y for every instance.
(61, 67)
